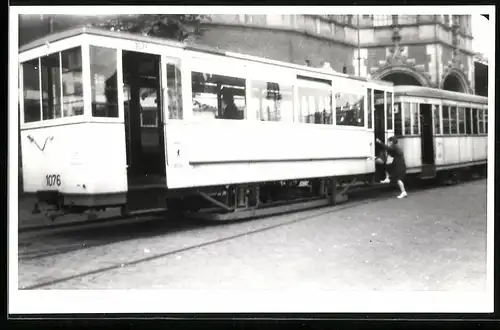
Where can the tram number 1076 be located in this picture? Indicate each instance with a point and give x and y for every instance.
(53, 180)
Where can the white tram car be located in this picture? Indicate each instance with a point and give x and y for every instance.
(441, 131)
(110, 119)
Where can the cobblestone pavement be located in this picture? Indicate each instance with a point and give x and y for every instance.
(432, 240)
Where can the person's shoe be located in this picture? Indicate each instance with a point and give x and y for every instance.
(386, 180)
(403, 195)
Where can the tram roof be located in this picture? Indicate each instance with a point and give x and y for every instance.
(200, 48)
(428, 92)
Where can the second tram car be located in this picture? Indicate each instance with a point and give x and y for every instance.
(111, 119)
(441, 130)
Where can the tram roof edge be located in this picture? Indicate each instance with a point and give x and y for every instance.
(429, 92)
(91, 30)
(75, 31)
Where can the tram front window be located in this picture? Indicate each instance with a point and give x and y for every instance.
(72, 87)
(216, 96)
(31, 91)
(51, 87)
(104, 82)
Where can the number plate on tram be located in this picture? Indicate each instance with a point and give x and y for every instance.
(53, 180)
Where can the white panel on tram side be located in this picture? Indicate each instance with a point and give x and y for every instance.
(463, 153)
(451, 151)
(468, 153)
(55, 158)
(219, 141)
(233, 173)
(439, 150)
(217, 64)
(479, 143)
(53, 47)
(412, 150)
(84, 158)
(107, 157)
(225, 144)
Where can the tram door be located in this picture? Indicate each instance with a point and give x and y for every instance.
(143, 119)
(379, 129)
(427, 141)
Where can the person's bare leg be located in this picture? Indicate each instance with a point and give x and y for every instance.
(402, 188)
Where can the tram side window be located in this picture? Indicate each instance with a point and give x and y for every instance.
(468, 121)
(474, 122)
(72, 88)
(481, 121)
(369, 110)
(389, 111)
(31, 91)
(446, 119)
(453, 120)
(415, 118)
(315, 106)
(272, 101)
(461, 120)
(349, 109)
(51, 87)
(398, 120)
(216, 96)
(406, 118)
(104, 82)
(437, 119)
(174, 87)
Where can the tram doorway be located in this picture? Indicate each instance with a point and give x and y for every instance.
(427, 141)
(145, 137)
(379, 130)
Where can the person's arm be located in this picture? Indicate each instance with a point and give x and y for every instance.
(385, 146)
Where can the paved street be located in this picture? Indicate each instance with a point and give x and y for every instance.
(433, 240)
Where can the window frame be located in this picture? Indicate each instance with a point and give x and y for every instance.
(475, 128)
(355, 90)
(62, 119)
(214, 71)
(289, 88)
(460, 125)
(416, 108)
(443, 118)
(406, 113)
(436, 109)
(399, 114)
(186, 90)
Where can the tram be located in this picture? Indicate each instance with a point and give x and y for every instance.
(441, 131)
(111, 119)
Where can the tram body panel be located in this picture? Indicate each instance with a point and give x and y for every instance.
(411, 146)
(254, 172)
(451, 151)
(439, 148)
(84, 158)
(479, 144)
(246, 151)
(465, 151)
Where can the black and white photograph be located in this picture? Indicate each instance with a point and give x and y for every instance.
(209, 159)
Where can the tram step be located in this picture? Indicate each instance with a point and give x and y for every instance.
(146, 200)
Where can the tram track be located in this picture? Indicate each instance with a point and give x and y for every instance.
(355, 201)
(49, 241)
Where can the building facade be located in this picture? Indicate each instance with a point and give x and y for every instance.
(427, 50)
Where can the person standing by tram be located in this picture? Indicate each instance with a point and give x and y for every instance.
(397, 169)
